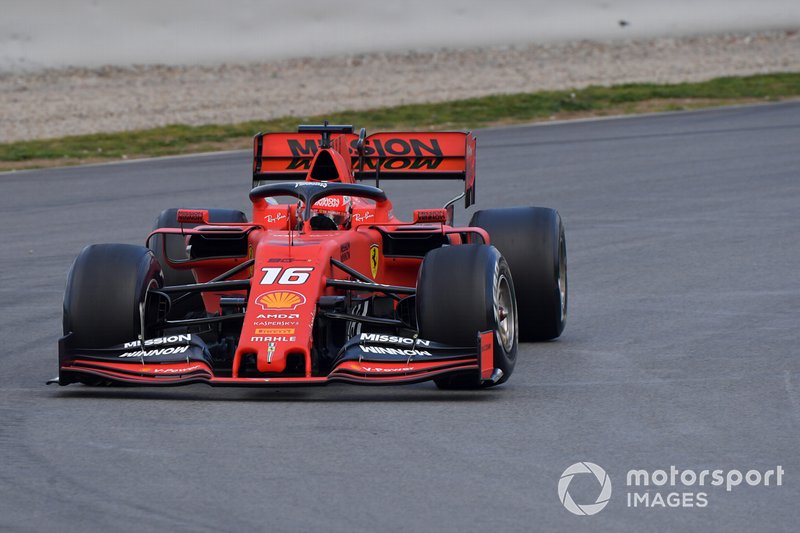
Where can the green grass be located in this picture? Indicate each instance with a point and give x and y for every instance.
(460, 114)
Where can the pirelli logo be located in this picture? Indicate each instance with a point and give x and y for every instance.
(274, 331)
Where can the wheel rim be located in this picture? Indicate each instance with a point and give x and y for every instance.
(562, 278)
(505, 313)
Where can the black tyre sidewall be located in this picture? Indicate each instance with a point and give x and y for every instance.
(105, 286)
(530, 238)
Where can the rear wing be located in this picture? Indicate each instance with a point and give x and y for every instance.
(380, 156)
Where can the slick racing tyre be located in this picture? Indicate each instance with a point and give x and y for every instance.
(532, 241)
(176, 249)
(107, 294)
(462, 290)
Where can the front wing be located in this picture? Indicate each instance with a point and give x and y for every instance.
(366, 360)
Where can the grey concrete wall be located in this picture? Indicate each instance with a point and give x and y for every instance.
(51, 33)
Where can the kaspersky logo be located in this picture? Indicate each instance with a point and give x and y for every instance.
(280, 300)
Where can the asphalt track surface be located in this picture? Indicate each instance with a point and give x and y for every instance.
(680, 349)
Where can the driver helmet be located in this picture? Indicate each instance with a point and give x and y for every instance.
(335, 208)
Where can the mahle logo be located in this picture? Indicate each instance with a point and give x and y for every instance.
(584, 468)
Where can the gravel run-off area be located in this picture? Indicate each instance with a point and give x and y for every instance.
(69, 101)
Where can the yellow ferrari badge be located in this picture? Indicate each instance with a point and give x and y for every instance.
(374, 258)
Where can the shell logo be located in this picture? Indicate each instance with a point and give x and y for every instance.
(280, 300)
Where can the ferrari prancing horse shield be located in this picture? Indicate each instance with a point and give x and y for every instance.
(374, 257)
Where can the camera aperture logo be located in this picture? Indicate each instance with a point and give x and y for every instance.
(584, 468)
(670, 488)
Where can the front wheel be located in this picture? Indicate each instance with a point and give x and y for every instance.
(107, 300)
(461, 291)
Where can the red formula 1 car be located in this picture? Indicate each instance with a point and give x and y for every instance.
(324, 284)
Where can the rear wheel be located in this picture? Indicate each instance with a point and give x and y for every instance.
(176, 250)
(532, 241)
(106, 301)
(461, 291)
